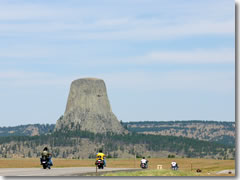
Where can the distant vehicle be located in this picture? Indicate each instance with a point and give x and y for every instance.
(174, 166)
(46, 159)
(100, 159)
(45, 163)
(144, 163)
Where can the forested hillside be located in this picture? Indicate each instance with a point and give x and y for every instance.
(84, 144)
(221, 132)
(213, 131)
(27, 130)
(203, 139)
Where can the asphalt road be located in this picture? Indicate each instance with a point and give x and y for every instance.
(227, 171)
(73, 171)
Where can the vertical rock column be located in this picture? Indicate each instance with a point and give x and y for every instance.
(88, 108)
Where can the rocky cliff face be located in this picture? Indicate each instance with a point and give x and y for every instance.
(88, 108)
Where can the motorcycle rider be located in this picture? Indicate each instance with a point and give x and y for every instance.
(174, 165)
(47, 154)
(144, 161)
(102, 156)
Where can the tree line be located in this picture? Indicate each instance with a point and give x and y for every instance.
(112, 144)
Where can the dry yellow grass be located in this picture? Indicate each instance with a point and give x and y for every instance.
(35, 162)
(163, 172)
(185, 164)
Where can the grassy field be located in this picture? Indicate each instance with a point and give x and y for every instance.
(187, 166)
(165, 172)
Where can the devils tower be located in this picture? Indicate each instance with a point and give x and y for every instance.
(88, 108)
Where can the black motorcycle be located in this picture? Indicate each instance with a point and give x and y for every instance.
(45, 162)
(144, 165)
(175, 168)
(100, 164)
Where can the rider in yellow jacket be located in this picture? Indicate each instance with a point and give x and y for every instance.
(102, 156)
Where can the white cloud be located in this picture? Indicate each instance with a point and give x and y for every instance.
(195, 56)
(35, 11)
(27, 52)
(119, 28)
(16, 78)
(198, 56)
(149, 30)
(51, 56)
(213, 82)
(116, 21)
(217, 82)
(23, 12)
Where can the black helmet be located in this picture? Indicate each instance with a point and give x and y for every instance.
(45, 149)
(100, 150)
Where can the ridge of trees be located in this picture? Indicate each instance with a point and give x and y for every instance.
(113, 142)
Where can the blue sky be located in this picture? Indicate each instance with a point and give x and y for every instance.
(161, 60)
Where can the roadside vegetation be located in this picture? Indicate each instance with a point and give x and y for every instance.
(153, 173)
(164, 172)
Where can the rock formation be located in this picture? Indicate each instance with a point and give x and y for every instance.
(88, 108)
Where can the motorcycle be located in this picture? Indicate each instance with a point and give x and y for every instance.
(100, 164)
(144, 165)
(175, 168)
(45, 162)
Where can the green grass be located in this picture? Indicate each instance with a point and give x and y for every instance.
(162, 172)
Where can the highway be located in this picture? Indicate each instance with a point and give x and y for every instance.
(72, 171)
